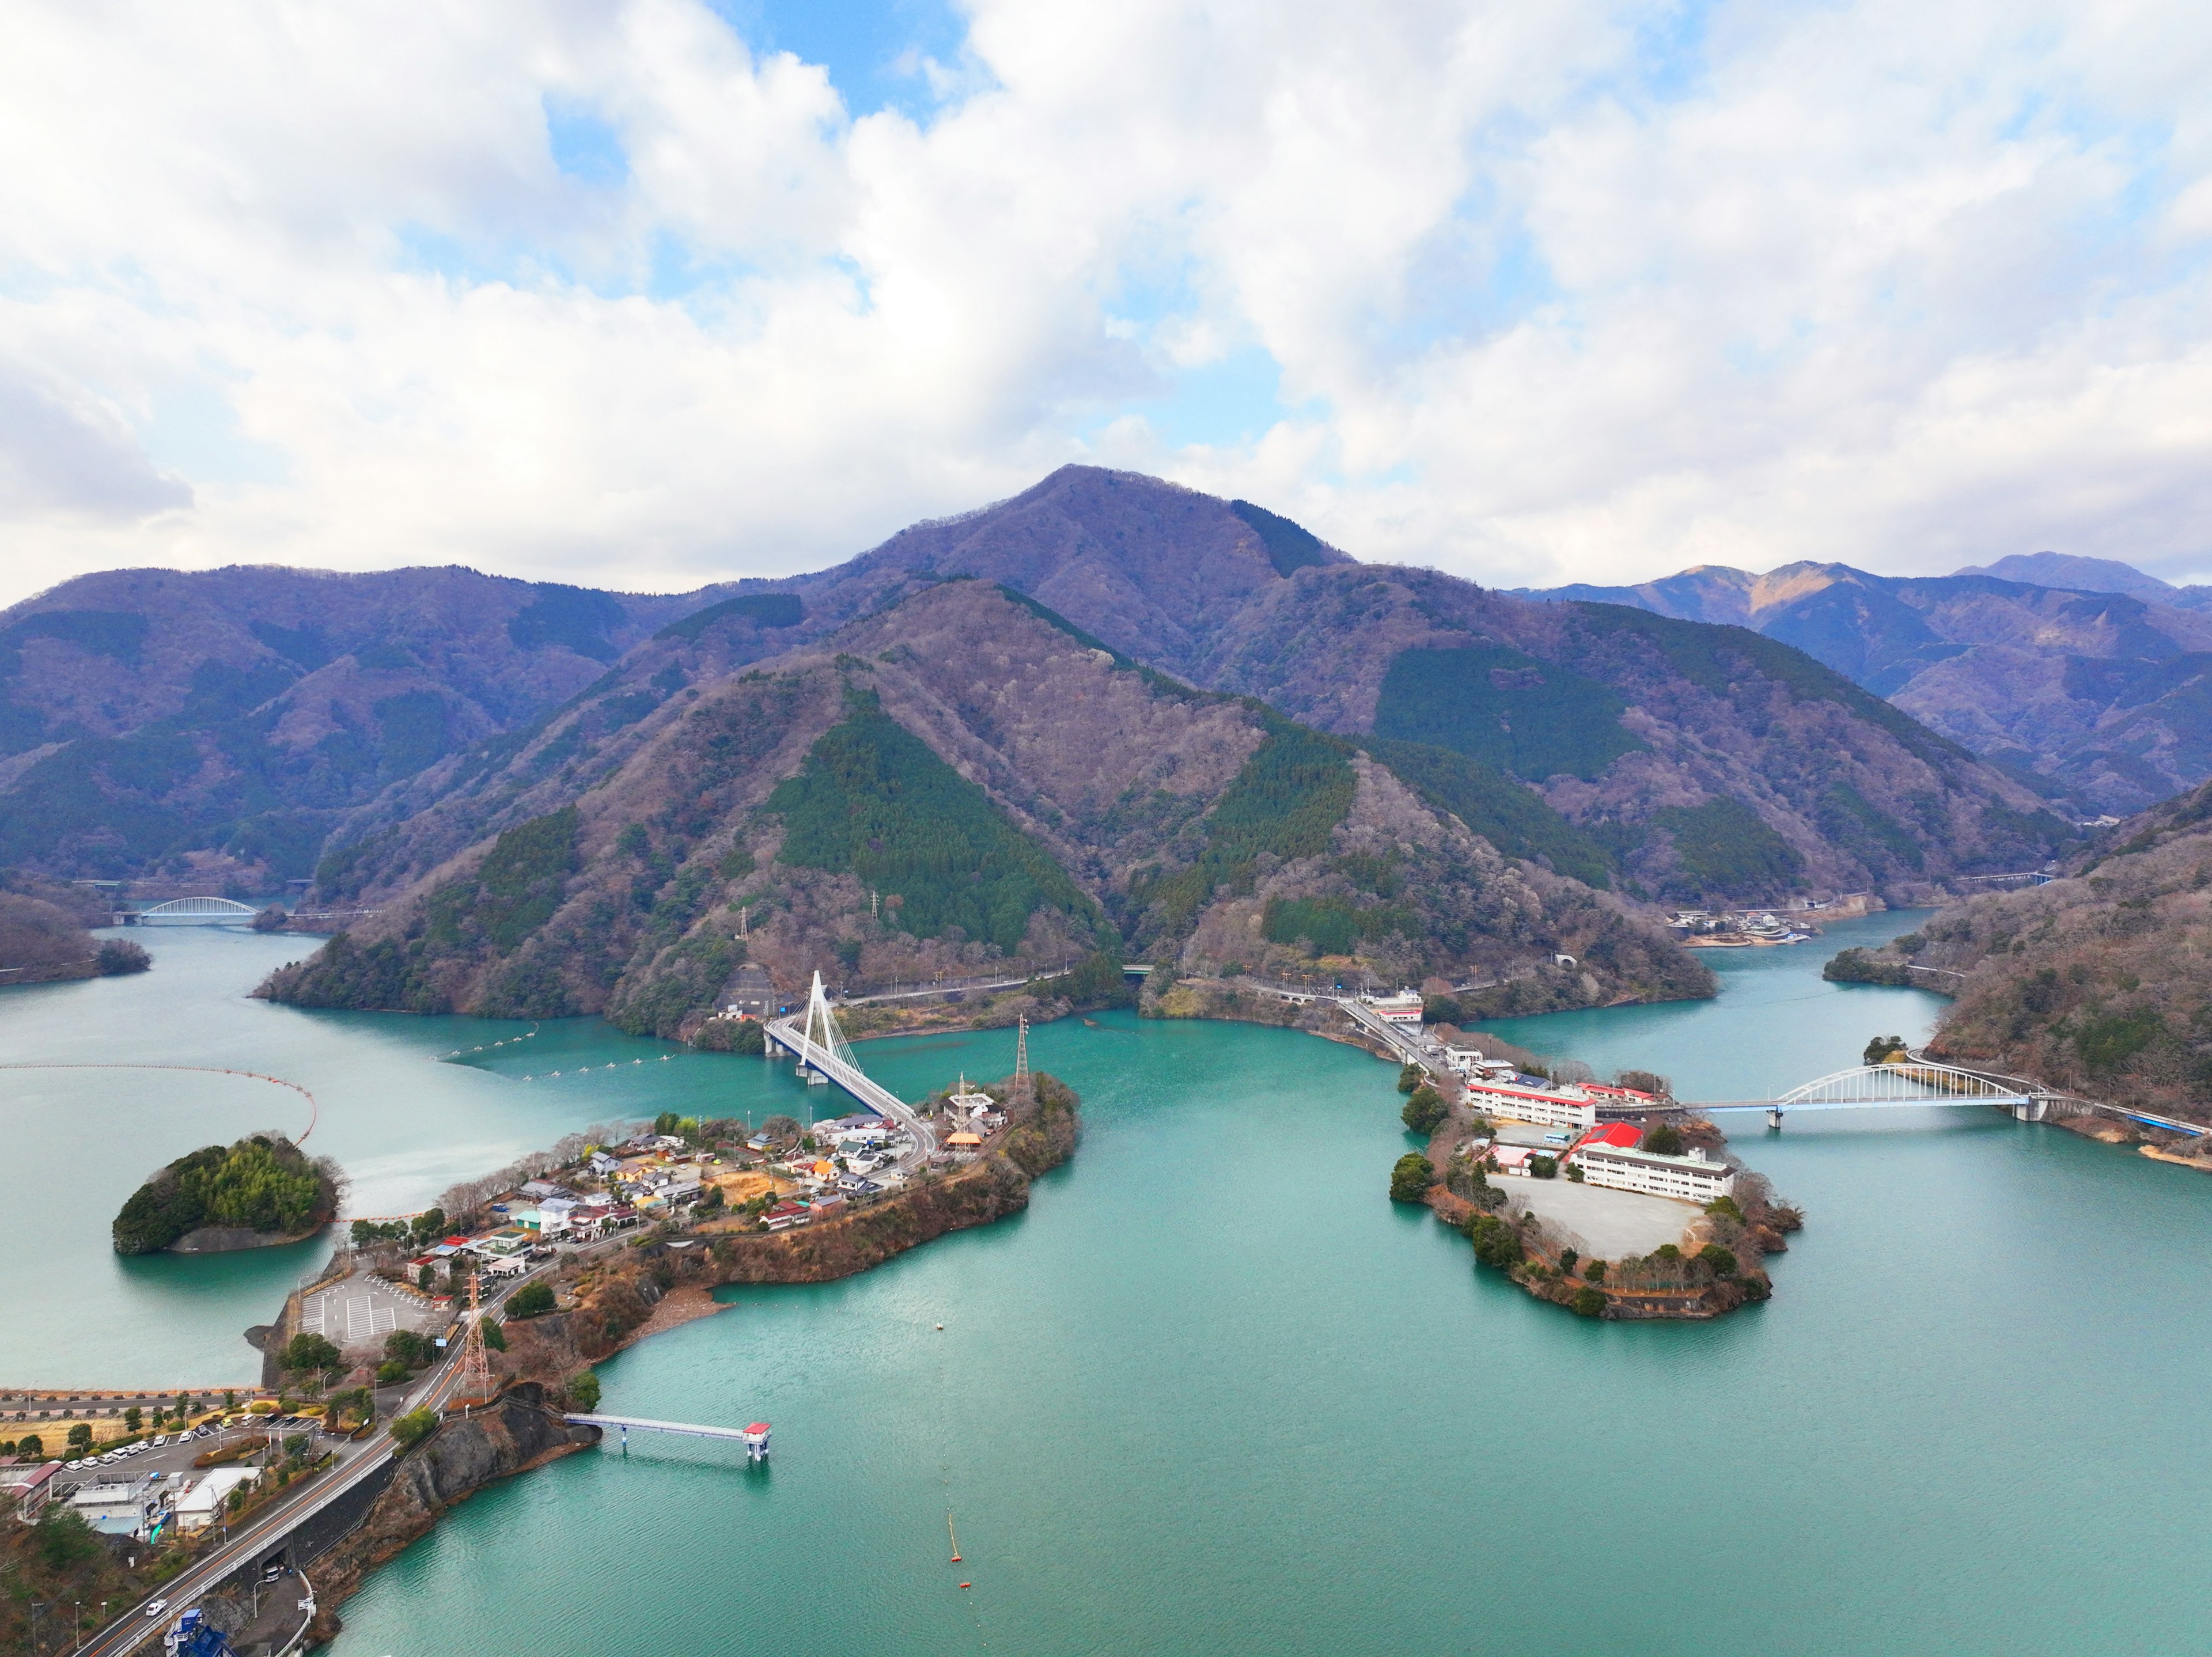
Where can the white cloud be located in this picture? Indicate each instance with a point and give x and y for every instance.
(1556, 293)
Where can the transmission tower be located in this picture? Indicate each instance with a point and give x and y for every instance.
(1021, 1081)
(476, 1364)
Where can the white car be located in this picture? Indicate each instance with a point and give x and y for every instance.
(72, 1466)
(160, 1439)
(157, 1608)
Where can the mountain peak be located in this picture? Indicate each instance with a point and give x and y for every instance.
(2059, 569)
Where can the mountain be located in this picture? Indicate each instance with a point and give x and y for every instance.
(221, 721)
(2099, 696)
(2058, 569)
(2099, 982)
(1683, 761)
(958, 779)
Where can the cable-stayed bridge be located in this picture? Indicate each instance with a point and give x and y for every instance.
(820, 1047)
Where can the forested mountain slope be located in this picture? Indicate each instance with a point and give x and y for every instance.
(2102, 695)
(145, 714)
(1678, 760)
(958, 781)
(2101, 982)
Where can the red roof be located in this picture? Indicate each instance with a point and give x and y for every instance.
(1623, 1134)
(757, 1427)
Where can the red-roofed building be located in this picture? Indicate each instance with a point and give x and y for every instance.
(1623, 1136)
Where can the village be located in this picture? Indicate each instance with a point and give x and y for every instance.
(345, 1358)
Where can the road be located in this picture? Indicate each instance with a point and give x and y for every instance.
(356, 1462)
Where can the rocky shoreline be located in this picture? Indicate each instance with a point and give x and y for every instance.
(661, 1284)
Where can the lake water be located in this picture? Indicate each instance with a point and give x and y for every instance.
(1213, 1393)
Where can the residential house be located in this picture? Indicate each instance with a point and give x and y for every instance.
(28, 1485)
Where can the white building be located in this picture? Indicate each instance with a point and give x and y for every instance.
(1567, 1108)
(126, 1507)
(1403, 1008)
(203, 1503)
(1691, 1179)
(1469, 1062)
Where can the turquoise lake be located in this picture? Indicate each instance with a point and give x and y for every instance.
(1214, 1393)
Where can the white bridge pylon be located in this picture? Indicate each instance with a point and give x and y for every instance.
(820, 1045)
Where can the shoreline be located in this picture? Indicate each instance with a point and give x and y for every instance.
(667, 1290)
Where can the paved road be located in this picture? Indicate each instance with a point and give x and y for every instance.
(356, 1462)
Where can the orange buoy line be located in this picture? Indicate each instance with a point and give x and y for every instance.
(314, 1111)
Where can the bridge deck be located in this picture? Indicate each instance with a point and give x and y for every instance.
(689, 1429)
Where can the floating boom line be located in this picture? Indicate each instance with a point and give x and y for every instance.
(314, 1111)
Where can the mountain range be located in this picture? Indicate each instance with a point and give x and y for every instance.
(2084, 678)
(1478, 774)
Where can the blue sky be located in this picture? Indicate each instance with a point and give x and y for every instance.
(1592, 291)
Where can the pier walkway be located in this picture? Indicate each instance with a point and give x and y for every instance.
(754, 1437)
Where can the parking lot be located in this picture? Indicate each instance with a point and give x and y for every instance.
(360, 1311)
(1611, 1224)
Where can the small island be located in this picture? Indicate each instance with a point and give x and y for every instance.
(1619, 1218)
(261, 1191)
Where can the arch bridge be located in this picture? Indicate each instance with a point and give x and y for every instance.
(1915, 1085)
(196, 912)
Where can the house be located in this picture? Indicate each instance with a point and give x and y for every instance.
(602, 1164)
(1691, 1178)
(553, 1212)
(507, 1240)
(29, 1486)
(202, 1503)
(828, 1207)
(784, 1215)
(136, 1506)
(539, 1190)
(1516, 1159)
(588, 1220)
(683, 1192)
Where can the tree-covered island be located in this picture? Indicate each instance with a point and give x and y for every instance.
(263, 1190)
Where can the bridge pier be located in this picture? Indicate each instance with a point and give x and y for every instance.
(2030, 1110)
(1774, 1117)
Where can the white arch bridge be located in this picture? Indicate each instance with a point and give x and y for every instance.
(196, 912)
(1921, 1084)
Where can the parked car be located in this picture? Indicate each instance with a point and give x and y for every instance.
(160, 1439)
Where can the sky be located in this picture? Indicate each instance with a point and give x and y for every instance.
(644, 294)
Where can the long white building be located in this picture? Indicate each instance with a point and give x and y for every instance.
(1691, 1178)
(1568, 1107)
